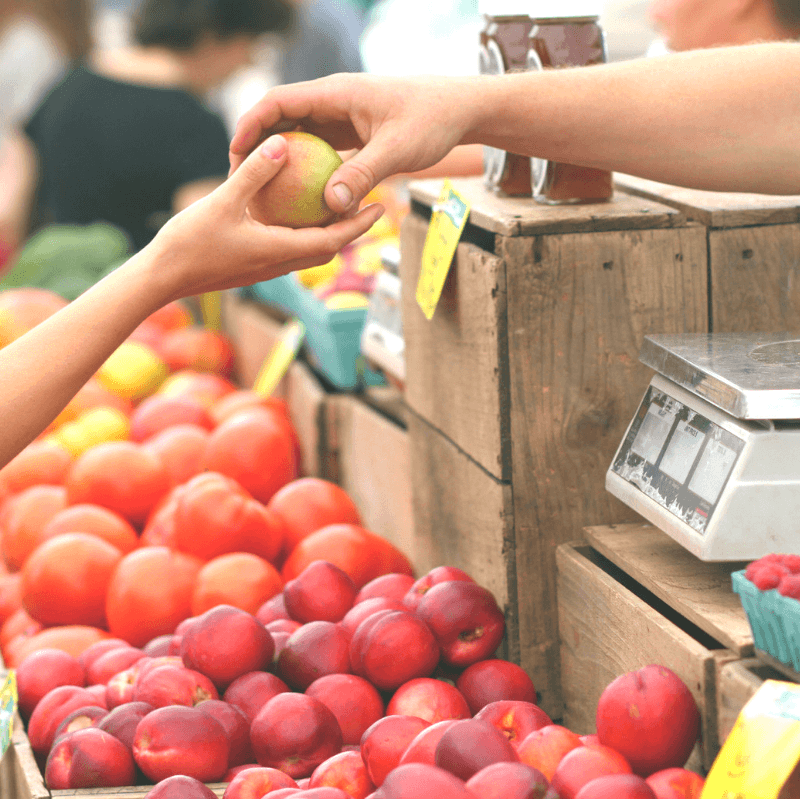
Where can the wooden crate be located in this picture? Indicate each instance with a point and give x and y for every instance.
(753, 250)
(632, 596)
(529, 369)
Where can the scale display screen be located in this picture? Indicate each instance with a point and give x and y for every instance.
(678, 458)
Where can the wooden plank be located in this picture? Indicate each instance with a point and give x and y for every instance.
(128, 792)
(607, 629)
(579, 306)
(755, 275)
(370, 459)
(457, 362)
(737, 682)
(27, 779)
(698, 590)
(523, 216)
(716, 209)
(306, 399)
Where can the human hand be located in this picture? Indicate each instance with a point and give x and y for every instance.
(216, 244)
(395, 125)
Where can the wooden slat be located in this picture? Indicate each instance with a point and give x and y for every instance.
(457, 362)
(716, 209)
(523, 216)
(27, 780)
(608, 630)
(369, 456)
(698, 590)
(306, 399)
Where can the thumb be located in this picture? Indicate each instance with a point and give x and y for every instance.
(257, 169)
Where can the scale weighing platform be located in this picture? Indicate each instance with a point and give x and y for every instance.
(712, 456)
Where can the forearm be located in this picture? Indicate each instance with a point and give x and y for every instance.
(724, 119)
(42, 370)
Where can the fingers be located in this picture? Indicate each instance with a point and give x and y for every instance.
(256, 170)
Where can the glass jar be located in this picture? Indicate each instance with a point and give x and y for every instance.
(567, 37)
(504, 47)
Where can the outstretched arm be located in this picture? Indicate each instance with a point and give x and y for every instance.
(720, 119)
(214, 244)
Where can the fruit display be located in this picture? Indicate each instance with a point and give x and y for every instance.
(769, 589)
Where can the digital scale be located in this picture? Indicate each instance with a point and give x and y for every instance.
(712, 456)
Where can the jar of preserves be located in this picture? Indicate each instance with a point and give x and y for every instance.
(568, 34)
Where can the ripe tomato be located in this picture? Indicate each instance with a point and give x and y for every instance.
(255, 447)
(242, 399)
(72, 639)
(39, 462)
(91, 395)
(160, 412)
(90, 518)
(242, 580)
(24, 518)
(172, 316)
(215, 515)
(307, 504)
(150, 593)
(362, 554)
(10, 595)
(64, 581)
(121, 476)
(182, 449)
(19, 623)
(160, 526)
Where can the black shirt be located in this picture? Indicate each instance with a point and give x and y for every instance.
(116, 151)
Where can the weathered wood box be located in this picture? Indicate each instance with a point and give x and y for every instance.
(631, 596)
(521, 386)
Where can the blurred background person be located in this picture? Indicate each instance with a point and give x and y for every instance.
(628, 27)
(127, 136)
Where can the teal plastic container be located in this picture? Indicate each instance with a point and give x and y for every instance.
(774, 620)
(333, 335)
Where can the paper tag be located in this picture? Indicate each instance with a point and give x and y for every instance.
(763, 748)
(277, 362)
(211, 309)
(8, 709)
(448, 219)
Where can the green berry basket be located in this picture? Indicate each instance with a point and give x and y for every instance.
(774, 620)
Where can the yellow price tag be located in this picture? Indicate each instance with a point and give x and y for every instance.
(279, 359)
(763, 748)
(448, 219)
(211, 309)
(8, 709)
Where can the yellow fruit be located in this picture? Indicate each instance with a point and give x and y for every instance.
(93, 427)
(347, 300)
(133, 370)
(325, 272)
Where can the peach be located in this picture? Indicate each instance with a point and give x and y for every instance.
(99, 692)
(96, 649)
(391, 586)
(42, 671)
(583, 764)
(295, 733)
(675, 782)
(316, 649)
(616, 786)
(544, 748)
(257, 781)
(321, 792)
(418, 589)
(279, 638)
(87, 758)
(272, 609)
(484, 682)
(394, 647)
(429, 699)
(515, 719)
(470, 745)
(105, 666)
(345, 771)
(234, 771)
(422, 748)
(421, 780)
(172, 685)
(322, 591)
(179, 786)
(385, 741)
(122, 721)
(649, 716)
(159, 646)
(465, 619)
(504, 779)
(176, 740)
(80, 718)
(283, 626)
(366, 608)
(237, 729)
(225, 643)
(50, 712)
(354, 701)
(251, 692)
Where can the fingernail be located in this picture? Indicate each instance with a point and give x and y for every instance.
(343, 195)
(274, 147)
